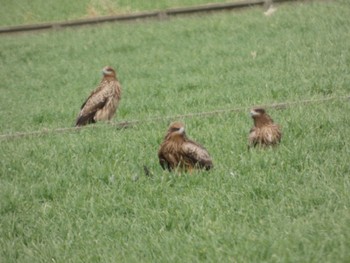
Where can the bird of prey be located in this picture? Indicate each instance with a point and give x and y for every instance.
(103, 101)
(179, 152)
(265, 132)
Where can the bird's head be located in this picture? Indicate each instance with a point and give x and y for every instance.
(176, 130)
(108, 72)
(260, 117)
(256, 112)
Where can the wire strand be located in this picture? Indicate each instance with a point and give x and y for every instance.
(125, 124)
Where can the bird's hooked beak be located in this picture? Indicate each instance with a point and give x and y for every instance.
(181, 130)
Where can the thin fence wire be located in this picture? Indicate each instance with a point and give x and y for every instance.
(126, 124)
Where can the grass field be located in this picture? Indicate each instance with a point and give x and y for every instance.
(82, 196)
(16, 12)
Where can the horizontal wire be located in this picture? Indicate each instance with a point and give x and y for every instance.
(125, 124)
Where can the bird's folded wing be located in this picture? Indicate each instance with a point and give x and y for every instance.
(97, 99)
(196, 153)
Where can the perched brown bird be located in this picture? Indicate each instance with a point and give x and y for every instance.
(177, 151)
(103, 101)
(265, 132)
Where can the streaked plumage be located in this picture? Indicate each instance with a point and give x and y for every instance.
(103, 101)
(265, 132)
(177, 151)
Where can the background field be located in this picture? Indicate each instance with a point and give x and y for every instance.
(14, 12)
(83, 197)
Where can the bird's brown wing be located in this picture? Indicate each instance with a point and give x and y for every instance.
(265, 136)
(276, 133)
(95, 102)
(167, 160)
(164, 163)
(197, 155)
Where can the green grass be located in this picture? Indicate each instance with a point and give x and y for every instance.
(16, 12)
(82, 196)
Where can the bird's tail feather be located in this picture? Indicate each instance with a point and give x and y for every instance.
(85, 119)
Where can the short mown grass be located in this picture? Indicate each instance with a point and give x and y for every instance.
(83, 196)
